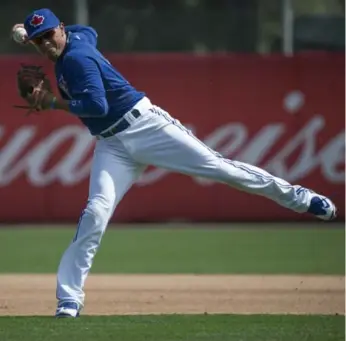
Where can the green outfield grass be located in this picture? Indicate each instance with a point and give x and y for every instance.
(175, 328)
(171, 250)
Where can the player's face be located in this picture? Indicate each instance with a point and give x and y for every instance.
(51, 43)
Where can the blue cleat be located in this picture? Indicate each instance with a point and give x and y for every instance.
(67, 309)
(322, 207)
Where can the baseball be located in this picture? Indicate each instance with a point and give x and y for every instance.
(19, 35)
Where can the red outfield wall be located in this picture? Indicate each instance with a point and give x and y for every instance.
(285, 115)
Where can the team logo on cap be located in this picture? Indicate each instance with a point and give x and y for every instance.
(36, 20)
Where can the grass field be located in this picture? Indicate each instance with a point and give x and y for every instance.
(175, 328)
(240, 250)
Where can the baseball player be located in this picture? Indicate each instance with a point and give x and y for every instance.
(131, 133)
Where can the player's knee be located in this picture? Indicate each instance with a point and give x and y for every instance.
(221, 172)
(93, 223)
(99, 210)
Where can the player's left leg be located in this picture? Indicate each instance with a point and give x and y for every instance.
(112, 174)
(174, 147)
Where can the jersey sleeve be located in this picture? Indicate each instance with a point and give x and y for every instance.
(85, 86)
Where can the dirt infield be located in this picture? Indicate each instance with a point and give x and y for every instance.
(158, 294)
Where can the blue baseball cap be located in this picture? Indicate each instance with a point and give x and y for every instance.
(40, 21)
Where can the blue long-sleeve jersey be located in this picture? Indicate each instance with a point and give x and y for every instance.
(99, 95)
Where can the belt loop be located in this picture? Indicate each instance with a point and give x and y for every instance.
(129, 117)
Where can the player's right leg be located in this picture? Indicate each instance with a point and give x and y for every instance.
(113, 173)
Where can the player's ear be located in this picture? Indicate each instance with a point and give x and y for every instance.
(62, 26)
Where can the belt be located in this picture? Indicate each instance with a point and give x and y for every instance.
(122, 124)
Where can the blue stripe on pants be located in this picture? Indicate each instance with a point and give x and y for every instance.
(79, 222)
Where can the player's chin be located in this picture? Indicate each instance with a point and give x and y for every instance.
(52, 54)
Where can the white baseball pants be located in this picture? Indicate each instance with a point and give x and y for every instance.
(155, 138)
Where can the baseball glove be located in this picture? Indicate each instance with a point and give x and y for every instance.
(31, 79)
